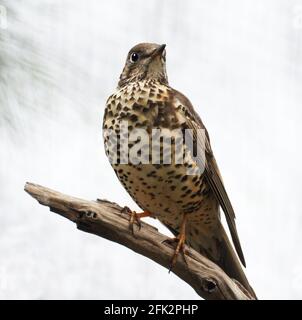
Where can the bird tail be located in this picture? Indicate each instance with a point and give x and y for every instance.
(220, 251)
(229, 262)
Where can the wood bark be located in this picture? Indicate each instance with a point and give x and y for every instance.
(104, 218)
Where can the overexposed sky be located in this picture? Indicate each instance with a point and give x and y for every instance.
(240, 64)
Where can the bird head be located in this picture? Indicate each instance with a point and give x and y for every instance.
(145, 61)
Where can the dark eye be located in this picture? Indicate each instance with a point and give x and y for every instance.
(134, 57)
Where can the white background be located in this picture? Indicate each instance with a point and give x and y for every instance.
(239, 62)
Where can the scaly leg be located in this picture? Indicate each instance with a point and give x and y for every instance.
(135, 217)
(180, 240)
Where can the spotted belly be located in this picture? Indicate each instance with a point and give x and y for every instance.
(166, 191)
(163, 188)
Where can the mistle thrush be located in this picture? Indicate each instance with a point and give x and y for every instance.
(185, 196)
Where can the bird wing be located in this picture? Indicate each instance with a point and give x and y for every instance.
(211, 170)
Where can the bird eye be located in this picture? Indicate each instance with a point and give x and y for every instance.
(134, 57)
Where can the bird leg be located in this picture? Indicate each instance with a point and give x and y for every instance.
(135, 217)
(180, 240)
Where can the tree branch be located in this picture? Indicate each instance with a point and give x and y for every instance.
(105, 219)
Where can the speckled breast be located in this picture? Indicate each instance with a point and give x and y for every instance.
(162, 188)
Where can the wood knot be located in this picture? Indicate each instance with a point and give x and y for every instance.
(87, 214)
(209, 285)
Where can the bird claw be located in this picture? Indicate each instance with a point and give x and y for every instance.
(170, 241)
(180, 247)
(133, 218)
(126, 210)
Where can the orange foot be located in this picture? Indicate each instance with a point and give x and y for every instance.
(180, 240)
(135, 217)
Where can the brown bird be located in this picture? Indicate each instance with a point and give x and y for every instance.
(183, 191)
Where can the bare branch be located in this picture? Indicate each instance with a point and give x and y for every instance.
(104, 219)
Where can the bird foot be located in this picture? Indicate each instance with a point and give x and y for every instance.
(135, 218)
(180, 248)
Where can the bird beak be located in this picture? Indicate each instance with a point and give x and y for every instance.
(158, 51)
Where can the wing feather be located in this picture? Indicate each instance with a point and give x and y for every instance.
(211, 172)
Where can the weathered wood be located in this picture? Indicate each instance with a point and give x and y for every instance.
(104, 218)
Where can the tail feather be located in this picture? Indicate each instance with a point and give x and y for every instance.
(230, 264)
(218, 248)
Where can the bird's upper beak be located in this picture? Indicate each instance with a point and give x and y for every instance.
(158, 51)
